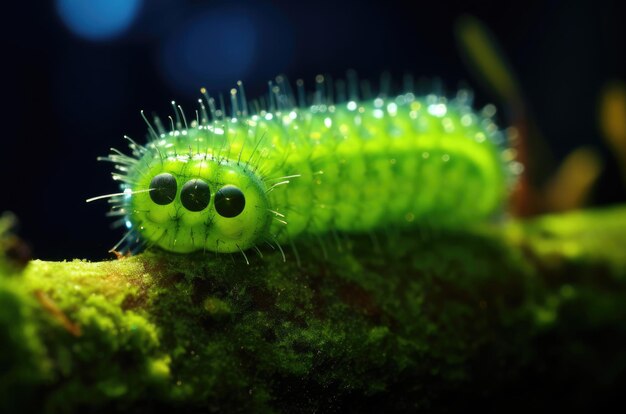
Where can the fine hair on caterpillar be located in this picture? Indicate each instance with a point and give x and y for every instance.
(287, 166)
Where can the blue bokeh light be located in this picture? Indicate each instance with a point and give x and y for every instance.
(98, 19)
(214, 49)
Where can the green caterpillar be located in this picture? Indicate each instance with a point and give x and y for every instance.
(231, 183)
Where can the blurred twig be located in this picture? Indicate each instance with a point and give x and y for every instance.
(613, 121)
(539, 189)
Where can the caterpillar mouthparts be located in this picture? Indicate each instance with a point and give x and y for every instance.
(290, 168)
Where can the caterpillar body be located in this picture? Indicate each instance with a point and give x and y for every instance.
(232, 183)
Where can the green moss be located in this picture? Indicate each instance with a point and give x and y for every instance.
(431, 319)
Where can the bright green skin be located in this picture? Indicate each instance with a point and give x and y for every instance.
(384, 163)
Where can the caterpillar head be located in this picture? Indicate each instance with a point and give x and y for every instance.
(185, 203)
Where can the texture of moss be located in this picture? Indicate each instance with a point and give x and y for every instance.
(519, 316)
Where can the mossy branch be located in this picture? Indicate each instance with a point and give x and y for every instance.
(427, 319)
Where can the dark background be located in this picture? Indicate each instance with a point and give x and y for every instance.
(69, 94)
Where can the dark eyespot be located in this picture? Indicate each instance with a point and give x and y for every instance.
(163, 189)
(229, 201)
(195, 195)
